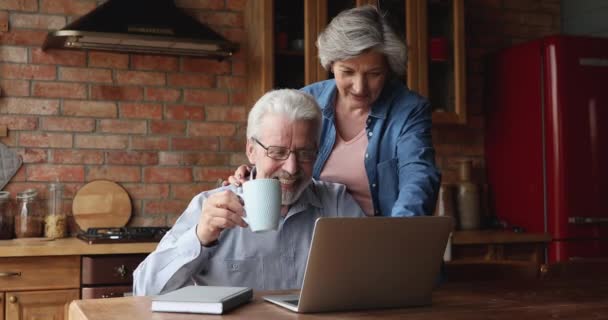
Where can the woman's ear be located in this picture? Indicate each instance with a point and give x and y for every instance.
(250, 151)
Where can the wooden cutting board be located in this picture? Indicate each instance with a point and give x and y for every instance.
(101, 204)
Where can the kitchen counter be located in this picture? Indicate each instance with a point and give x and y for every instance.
(68, 247)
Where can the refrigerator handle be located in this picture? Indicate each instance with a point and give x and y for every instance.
(587, 220)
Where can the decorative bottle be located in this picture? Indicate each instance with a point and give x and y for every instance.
(467, 198)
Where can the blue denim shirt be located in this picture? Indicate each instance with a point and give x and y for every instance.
(400, 159)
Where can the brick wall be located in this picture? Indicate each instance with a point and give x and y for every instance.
(164, 127)
(168, 127)
(490, 25)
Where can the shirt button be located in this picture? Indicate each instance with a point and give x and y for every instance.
(377, 212)
(366, 155)
(373, 185)
(370, 133)
(369, 120)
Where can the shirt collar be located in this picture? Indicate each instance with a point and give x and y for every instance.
(379, 109)
(308, 198)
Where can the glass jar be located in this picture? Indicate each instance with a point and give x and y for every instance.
(6, 216)
(55, 220)
(28, 218)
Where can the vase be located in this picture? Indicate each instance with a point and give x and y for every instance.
(467, 198)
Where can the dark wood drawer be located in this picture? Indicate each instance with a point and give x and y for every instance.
(106, 292)
(114, 269)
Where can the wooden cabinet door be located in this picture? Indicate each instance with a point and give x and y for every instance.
(39, 305)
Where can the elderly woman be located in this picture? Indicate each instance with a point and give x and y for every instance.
(376, 135)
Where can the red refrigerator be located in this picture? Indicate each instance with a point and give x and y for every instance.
(546, 142)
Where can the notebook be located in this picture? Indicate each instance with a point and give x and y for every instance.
(370, 263)
(202, 299)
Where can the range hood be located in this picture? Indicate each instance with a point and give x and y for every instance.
(143, 26)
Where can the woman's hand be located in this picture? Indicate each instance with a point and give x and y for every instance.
(241, 175)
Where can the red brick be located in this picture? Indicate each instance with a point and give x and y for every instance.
(27, 71)
(61, 57)
(51, 172)
(132, 157)
(224, 19)
(29, 106)
(85, 108)
(232, 83)
(195, 80)
(156, 63)
(230, 114)
(150, 143)
(239, 68)
(48, 140)
(140, 78)
(181, 112)
(33, 155)
(19, 122)
(37, 21)
(236, 36)
(115, 173)
(240, 98)
(108, 60)
(147, 190)
(85, 74)
(123, 126)
(200, 4)
(68, 7)
(67, 124)
(162, 175)
(161, 94)
(23, 37)
(15, 88)
(165, 206)
(232, 144)
(141, 111)
(198, 143)
(19, 5)
(211, 129)
(188, 191)
(237, 159)
(236, 5)
(206, 66)
(126, 93)
(13, 54)
(72, 156)
(205, 97)
(59, 90)
(101, 142)
(167, 127)
(212, 174)
(146, 221)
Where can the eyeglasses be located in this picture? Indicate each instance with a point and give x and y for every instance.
(282, 153)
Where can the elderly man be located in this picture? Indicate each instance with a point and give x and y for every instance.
(210, 243)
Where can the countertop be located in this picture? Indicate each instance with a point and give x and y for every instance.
(68, 247)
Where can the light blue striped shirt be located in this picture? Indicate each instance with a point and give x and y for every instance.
(263, 261)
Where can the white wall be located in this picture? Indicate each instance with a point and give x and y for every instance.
(585, 17)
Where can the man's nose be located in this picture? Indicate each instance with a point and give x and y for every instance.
(291, 164)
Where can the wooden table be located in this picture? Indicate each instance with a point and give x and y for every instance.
(524, 300)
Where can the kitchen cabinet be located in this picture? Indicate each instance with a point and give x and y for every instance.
(38, 279)
(432, 29)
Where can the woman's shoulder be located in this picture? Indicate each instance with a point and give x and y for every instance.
(320, 90)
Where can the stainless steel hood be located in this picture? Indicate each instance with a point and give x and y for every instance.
(143, 26)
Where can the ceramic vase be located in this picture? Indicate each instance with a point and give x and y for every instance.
(467, 198)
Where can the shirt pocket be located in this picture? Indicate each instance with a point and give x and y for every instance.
(388, 185)
(244, 273)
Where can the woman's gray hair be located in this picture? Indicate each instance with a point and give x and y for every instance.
(354, 31)
(293, 104)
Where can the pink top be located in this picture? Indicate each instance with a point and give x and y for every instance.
(345, 165)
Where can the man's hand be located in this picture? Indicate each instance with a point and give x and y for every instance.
(221, 210)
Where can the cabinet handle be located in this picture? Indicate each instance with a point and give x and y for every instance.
(12, 299)
(10, 274)
(122, 271)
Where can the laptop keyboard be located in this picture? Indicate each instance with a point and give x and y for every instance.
(293, 302)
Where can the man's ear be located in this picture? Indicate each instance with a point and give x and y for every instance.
(249, 150)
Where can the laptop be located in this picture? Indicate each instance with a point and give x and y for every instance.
(370, 263)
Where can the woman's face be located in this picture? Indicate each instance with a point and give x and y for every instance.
(360, 80)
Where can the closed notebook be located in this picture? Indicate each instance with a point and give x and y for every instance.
(202, 299)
